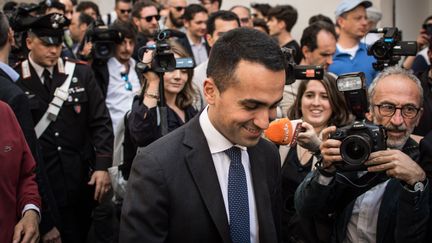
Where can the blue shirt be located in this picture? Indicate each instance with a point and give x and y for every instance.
(9, 71)
(342, 63)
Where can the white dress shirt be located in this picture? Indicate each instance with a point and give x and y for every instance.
(118, 99)
(218, 144)
(39, 69)
(362, 226)
(199, 51)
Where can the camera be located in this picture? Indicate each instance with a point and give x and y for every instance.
(104, 40)
(295, 72)
(163, 59)
(362, 137)
(389, 49)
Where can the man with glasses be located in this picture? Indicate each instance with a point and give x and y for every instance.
(195, 20)
(393, 207)
(244, 15)
(174, 20)
(122, 11)
(145, 17)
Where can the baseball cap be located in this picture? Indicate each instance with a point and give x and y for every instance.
(348, 5)
(49, 28)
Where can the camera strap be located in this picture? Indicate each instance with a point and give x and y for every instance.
(60, 95)
(357, 188)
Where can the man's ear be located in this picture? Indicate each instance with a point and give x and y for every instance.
(305, 52)
(29, 42)
(210, 91)
(209, 39)
(369, 116)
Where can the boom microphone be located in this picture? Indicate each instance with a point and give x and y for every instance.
(283, 131)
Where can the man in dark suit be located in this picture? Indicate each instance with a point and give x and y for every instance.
(394, 206)
(195, 21)
(77, 145)
(215, 179)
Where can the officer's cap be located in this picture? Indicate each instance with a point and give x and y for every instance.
(49, 28)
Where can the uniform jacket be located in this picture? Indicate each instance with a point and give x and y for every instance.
(174, 194)
(81, 138)
(17, 179)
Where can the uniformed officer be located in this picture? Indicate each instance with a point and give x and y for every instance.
(77, 140)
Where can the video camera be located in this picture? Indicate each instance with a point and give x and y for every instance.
(362, 137)
(103, 39)
(389, 49)
(163, 58)
(295, 72)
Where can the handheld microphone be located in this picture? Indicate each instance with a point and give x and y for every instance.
(283, 131)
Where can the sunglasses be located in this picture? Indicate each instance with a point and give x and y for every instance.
(125, 77)
(123, 11)
(150, 18)
(179, 8)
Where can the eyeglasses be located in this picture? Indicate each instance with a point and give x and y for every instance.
(125, 77)
(150, 18)
(123, 11)
(407, 111)
(179, 8)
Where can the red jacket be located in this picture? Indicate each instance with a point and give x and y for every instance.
(17, 178)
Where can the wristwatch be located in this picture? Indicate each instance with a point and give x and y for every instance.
(419, 186)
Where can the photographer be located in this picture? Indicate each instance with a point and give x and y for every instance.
(393, 205)
(319, 105)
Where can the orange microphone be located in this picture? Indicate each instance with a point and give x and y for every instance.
(283, 131)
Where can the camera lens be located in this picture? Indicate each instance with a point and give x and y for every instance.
(355, 149)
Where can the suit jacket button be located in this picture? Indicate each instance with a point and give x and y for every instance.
(59, 148)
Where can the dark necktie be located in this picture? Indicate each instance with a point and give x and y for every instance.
(47, 79)
(238, 202)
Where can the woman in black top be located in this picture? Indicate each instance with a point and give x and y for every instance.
(319, 105)
(143, 123)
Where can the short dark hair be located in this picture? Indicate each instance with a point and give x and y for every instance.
(138, 6)
(223, 15)
(263, 8)
(212, 1)
(320, 17)
(310, 33)
(85, 19)
(126, 29)
(242, 44)
(4, 29)
(193, 9)
(123, 1)
(86, 5)
(286, 13)
(261, 23)
(340, 114)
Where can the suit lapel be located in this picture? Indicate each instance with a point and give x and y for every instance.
(262, 195)
(34, 84)
(388, 202)
(200, 164)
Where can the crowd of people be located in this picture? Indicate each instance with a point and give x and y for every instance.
(106, 137)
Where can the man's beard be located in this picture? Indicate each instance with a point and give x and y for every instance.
(177, 22)
(397, 143)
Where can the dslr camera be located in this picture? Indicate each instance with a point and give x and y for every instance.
(163, 58)
(362, 137)
(295, 72)
(104, 40)
(389, 49)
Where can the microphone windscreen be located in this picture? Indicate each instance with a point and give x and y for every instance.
(280, 131)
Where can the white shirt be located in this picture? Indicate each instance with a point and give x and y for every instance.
(218, 144)
(118, 99)
(351, 51)
(39, 69)
(199, 51)
(200, 74)
(362, 226)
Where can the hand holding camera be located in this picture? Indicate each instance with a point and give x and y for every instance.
(308, 138)
(396, 164)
